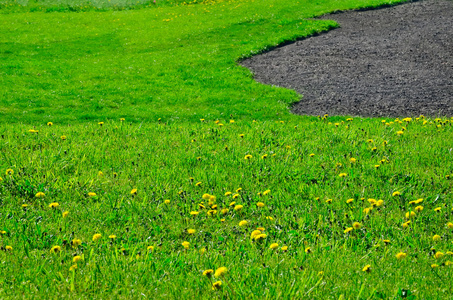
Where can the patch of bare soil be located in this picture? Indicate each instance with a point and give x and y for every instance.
(389, 62)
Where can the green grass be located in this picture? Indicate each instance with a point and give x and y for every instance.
(77, 69)
(172, 62)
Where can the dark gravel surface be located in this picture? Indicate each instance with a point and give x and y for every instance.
(388, 62)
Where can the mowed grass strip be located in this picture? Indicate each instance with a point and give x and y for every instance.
(173, 62)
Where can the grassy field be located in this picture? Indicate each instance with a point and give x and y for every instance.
(139, 161)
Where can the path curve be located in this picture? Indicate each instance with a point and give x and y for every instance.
(389, 62)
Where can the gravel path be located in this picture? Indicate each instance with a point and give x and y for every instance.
(389, 62)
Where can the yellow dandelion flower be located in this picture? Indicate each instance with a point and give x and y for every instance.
(410, 215)
(39, 195)
(185, 244)
(228, 193)
(406, 224)
(255, 233)
(329, 201)
(434, 266)
(450, 225)
(198, 183)
(55, 249)
(269, 218)
(167, 201)
(436, 238)
(273, 246)
(284, 248)
(367, 269)
(264, 156)
(395, 194)
(49, 123)
(367, 210)
(101, 123)
(248, 156)
(194, 213)
(217, 285)
(150, 248)
(112, 236)
(260, 237)
(439, 255)
(418, 208)
(311, 154)
(206, 196)
(418, 201)
(377, 166)
(266, 192)
(356, 225)
(54, 205)
(134, 192)
(122, 119)
(349, 201)
(9, 248)
(308, 250)
(238, 207)
(76, 259)
(191, 231)
(96, 237)
(63, 137)
(238, 190)
(76, 243)
(72, 268)
(400, 132)
(212, 212)
(9, 172)
(260, 204)
(208, 272)
(348, 230)
(401, 255)
(353, 160)
(243, 223)
(437, 209)
(224, 211)
(342, 175)
(91, 194)
(380, 203)
(220, 272)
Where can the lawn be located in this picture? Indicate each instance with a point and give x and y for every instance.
(138, 160)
